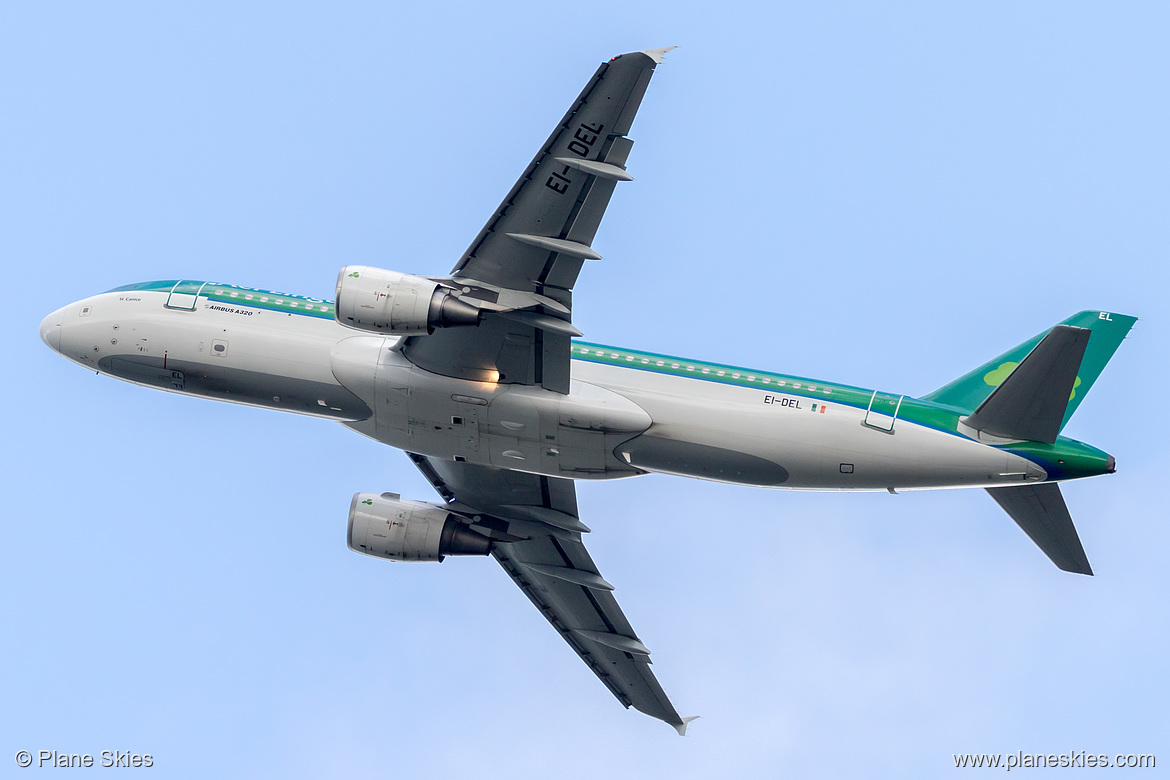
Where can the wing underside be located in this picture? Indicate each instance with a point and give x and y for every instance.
(534, 245)
(543, 230)
(520, 271)
(533, 520)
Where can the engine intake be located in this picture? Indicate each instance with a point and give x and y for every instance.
(387, 526)
(381, 301)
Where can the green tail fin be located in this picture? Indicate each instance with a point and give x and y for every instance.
(1108, 331)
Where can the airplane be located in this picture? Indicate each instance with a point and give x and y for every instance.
(482, 379)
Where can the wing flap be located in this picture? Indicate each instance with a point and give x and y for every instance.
(590, 621)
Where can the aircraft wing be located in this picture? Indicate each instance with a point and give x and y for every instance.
(525, 261)
(537, 533)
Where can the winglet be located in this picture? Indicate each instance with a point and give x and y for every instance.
(658, 54)
(681, 728)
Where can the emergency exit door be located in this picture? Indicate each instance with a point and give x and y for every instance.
(883, 411)
(184, 295)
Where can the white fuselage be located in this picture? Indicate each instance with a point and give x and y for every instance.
(623, 416)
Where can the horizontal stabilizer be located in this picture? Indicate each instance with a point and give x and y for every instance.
(1030, 403)
(1040, 510)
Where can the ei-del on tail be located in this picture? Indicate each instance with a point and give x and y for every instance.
(482, 379)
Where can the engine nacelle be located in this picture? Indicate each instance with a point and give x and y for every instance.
(381, 301)
(387, 526)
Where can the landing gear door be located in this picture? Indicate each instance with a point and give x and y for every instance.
(883, 411)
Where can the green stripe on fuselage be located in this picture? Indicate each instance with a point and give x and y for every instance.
(912, 409)
(266, 299)
(1065, 459)
(252, 297)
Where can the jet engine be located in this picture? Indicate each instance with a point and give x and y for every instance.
(387, 526)
(374, 299)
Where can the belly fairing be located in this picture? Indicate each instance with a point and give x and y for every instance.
(507, 426)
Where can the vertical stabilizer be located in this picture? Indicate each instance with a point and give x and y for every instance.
(1040, 510)
(1107, 329)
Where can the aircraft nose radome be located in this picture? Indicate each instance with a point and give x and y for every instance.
(51, 330)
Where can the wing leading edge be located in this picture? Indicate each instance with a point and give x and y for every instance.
(537, 540)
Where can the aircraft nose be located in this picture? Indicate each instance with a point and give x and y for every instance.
(51, 330)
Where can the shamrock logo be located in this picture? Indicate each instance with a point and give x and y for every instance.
(995, 378)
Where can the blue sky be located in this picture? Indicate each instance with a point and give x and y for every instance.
(884, 196)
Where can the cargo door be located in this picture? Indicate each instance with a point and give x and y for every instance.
(465, 421)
